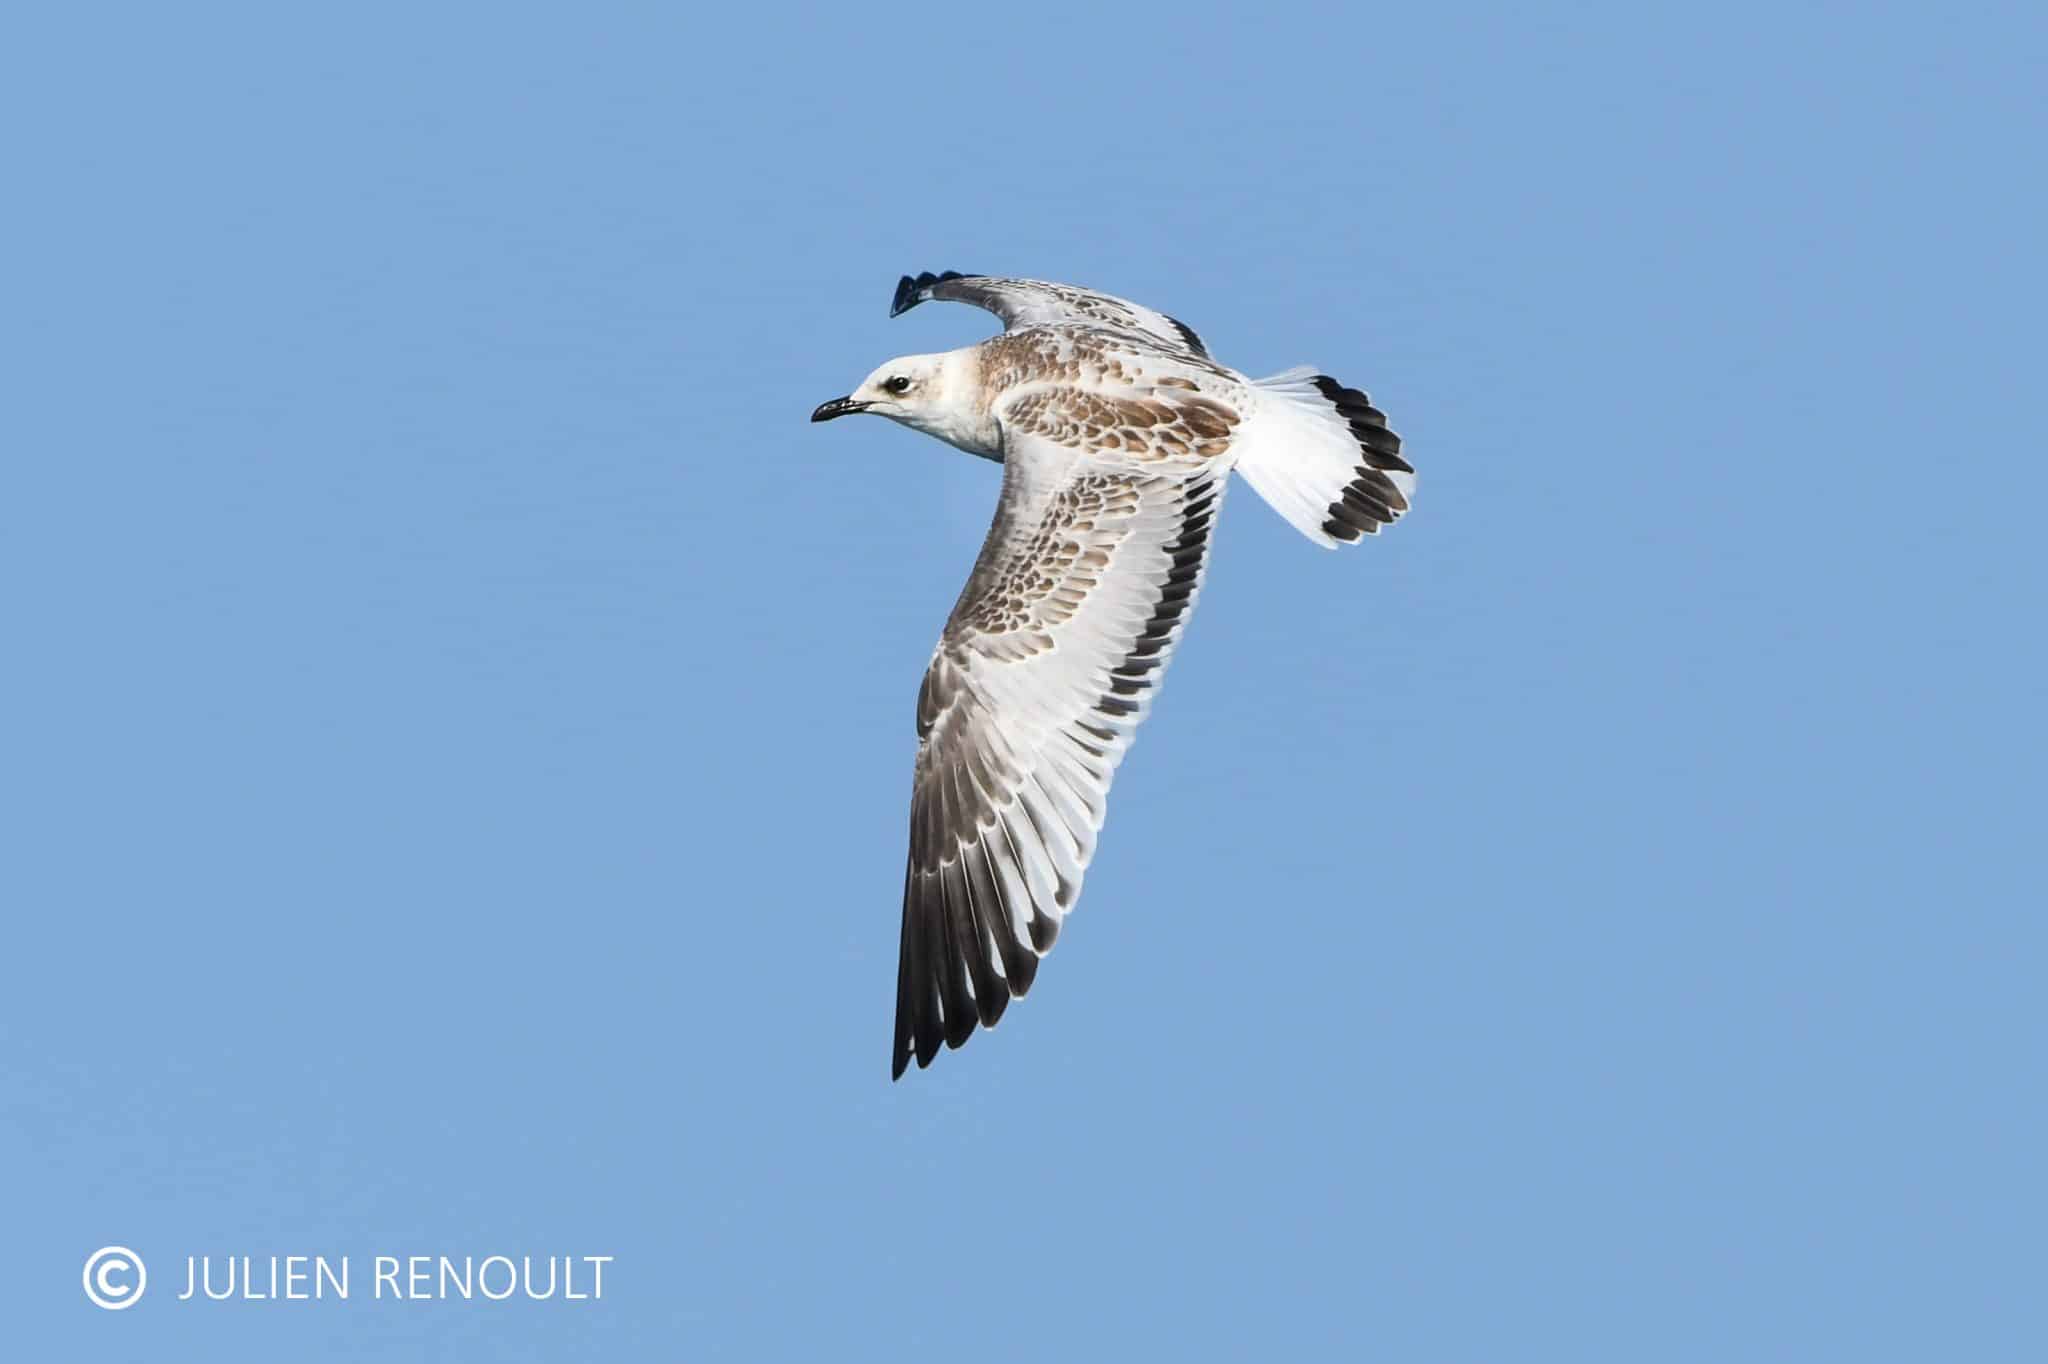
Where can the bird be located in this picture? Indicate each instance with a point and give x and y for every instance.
(1117, 432)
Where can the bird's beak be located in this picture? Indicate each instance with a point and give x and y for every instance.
(838, 407)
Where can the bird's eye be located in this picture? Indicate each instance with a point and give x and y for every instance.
(897, 384)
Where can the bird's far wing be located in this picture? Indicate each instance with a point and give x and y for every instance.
(1045, 669)
(1028, 302)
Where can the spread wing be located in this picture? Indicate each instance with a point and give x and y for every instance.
(1045, 669)
(1030, 302)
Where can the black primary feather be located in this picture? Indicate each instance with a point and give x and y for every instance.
(911, 292)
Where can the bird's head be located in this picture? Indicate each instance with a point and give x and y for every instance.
(929, 393)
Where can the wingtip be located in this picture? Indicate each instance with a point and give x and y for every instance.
(922, 1050)
(906, 299)
(899, 1060)
(913, 290)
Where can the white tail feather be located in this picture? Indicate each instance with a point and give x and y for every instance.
(1322, 456)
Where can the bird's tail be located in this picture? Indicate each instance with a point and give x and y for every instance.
(1322, 456)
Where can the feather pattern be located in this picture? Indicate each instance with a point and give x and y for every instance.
(1117, 433)
(1045, 669)
(1029, 302)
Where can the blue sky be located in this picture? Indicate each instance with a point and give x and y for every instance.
(460, 713)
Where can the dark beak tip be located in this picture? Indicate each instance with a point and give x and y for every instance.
(837, 407)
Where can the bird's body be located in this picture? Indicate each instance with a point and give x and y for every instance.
(1117, 433)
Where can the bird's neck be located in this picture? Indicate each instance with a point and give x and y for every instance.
(963, 418)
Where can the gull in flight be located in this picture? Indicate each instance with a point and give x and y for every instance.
(1116, 432)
